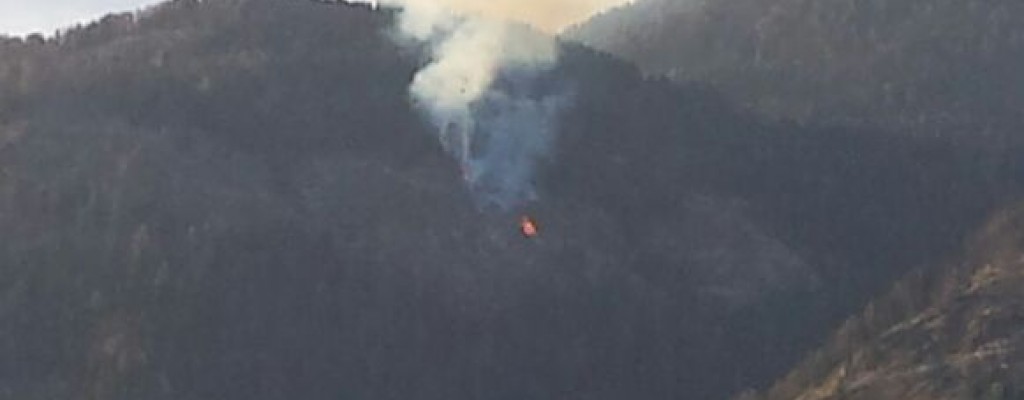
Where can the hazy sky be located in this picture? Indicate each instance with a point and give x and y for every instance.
(26, 16)
(549, 15)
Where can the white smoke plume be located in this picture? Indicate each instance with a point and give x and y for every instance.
(482, 91)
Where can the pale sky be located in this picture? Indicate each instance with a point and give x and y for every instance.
(19, 17)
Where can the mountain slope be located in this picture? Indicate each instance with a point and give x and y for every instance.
(945, 336)
(923, 67)
(231, 199)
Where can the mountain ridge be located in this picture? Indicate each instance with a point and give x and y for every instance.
(236, 199)
(924, 68)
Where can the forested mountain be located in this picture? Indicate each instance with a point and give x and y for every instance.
(236, 199)
(924, 67)
(951, 335)
(932, 68)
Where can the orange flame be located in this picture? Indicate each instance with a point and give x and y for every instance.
(528, 227)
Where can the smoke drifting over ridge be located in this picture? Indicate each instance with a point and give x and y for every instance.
(550, 16)
(483, 92)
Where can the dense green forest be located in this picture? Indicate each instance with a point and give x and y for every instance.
(236, 199)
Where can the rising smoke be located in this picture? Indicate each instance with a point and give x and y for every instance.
(485, 92)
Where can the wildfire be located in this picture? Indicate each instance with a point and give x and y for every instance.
(528, 227)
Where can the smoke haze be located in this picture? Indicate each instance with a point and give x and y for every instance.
(547, 15)
(480, 92)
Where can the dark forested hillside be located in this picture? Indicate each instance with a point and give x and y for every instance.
(919, 66)
(938, 335)
(235, 199)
